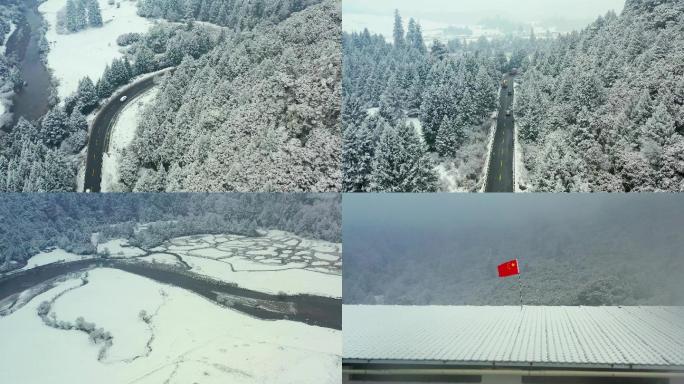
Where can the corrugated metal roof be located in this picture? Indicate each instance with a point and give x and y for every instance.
(617, 337)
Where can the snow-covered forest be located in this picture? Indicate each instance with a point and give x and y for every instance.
(78, 15)
(259, 112)
(603, 109)
(253, 104)
(239, 15)
(35, 222)
(409, 110)
(40, 156)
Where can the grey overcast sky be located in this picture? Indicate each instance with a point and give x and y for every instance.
(376, 15)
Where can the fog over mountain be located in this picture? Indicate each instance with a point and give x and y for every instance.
(577, 249)
(564, 14)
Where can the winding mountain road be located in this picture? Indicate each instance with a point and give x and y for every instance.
(500, 175)
(98, 140)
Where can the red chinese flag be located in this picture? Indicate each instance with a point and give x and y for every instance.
(509, 268)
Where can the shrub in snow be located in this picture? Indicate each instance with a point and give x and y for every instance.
(128, 39)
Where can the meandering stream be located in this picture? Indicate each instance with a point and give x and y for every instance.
(30, 102)
(313, 310)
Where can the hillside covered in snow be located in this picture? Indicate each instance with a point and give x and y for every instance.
(247, 97)
(259, 112)
(434, 105)
(153, 288)
(603, 109)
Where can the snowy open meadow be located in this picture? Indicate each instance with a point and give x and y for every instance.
(106, 325)
(75, 55)
(179, 338)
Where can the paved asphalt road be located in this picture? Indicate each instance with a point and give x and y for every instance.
(500, 176)
(98, 142)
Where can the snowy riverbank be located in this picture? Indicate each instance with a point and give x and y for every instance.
(180, 337)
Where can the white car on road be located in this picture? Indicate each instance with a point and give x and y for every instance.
(122, 99)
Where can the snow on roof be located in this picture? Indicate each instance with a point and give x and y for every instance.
(550, 336)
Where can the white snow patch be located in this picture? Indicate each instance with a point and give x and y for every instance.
(81, 170)
(109, 308)
(209, 252)
(245, 264)
(291, 281)
(520, 174)
(13, 27)
(86, 53)
(121, 136)
(162, 258)
(270, 251)
(119, 247)
(449, 179)
(195, 340)
(485, 169)
(53, 256)
(326, 256)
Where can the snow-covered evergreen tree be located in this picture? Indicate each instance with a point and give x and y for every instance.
(419, 168)
(392, 106)
(450, 137)
(438, 50)
(398, 33)
(87, 94)
(54, 127)
(72, 16)
(358, 152)
(94, 14)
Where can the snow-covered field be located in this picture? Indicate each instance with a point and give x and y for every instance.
(86, 53)
(53, 256)
(184, 339)
(277, 262)
(122, 134)
(119, 248)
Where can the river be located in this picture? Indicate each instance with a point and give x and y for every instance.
(32, 100)
(313, 310)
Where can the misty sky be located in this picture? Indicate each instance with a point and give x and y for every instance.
(376, 15)
(444, 248)
(468, 210)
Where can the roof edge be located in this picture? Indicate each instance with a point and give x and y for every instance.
(490, 365)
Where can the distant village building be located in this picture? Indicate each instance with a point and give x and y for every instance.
(506, 344)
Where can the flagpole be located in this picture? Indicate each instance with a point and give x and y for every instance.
(521, 299)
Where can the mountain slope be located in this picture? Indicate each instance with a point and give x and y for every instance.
(603, 109)
(258, 113)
